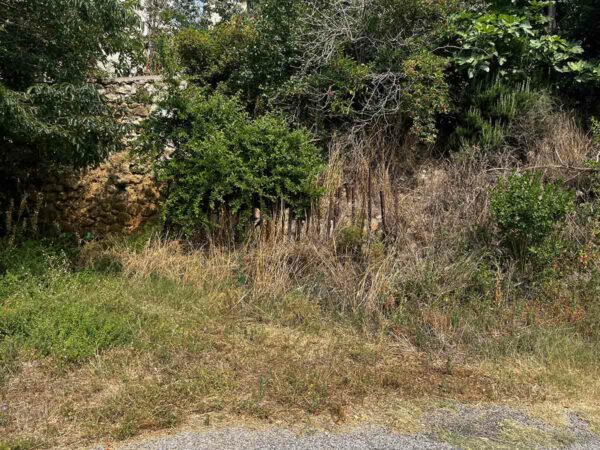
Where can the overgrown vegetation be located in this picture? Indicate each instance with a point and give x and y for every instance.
(49, 112)
(526, 211)
(382, 200)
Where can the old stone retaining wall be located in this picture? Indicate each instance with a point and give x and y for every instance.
(120, 195)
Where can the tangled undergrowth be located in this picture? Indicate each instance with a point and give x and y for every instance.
(154, 331)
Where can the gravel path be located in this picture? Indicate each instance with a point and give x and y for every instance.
(461, 427)
(239, 439)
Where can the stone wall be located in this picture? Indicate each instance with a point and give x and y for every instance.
(120, 195)
(133, 98)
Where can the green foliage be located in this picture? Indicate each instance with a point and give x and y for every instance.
(225, 161)
(526, 211)
(341, 85)
(501, 115)
(516, 44)
(213, 57)
(45, 309)
(55, 124)
(280, 56)
(427, 94)
(63, 40)
(267, 62)
(245, 55)
(371, 68)
(48, 113)
(64, 327)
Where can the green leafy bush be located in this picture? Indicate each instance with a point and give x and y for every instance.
(246, 55)
(371, 68)
(516, 44)
(526, 211)
(225, 161)
(213, 56)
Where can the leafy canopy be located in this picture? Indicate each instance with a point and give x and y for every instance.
(48, 50)
(517, 43)
(245, 55)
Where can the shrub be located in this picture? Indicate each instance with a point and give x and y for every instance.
(213, 56)
(515, 44)
(225, 162)
(500, 115)
(248, 56)
(371, 66)
(526, 210)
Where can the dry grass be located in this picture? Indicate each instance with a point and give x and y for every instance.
(327, 332)
(294, 334)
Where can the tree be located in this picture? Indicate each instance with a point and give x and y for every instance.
(250, 55)
(49, 113)
(162, 18)
(370, 66)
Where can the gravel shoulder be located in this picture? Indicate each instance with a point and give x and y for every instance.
(459, 427)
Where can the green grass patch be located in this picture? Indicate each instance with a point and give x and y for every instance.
(71, 317)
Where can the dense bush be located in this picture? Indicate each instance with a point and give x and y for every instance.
(519, 44)
(384, 64)
(515, 45)
(49, 113)
(214, 56)
(372, 67)
(526, 211)
(226, 162)
(248, 56)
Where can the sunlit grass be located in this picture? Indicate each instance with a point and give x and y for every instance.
(122, 339)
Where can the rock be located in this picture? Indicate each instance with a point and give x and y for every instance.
(123, 217)
(140, 111)
(149, 211)
(125, 89)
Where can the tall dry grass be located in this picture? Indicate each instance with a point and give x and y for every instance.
(438, 257)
